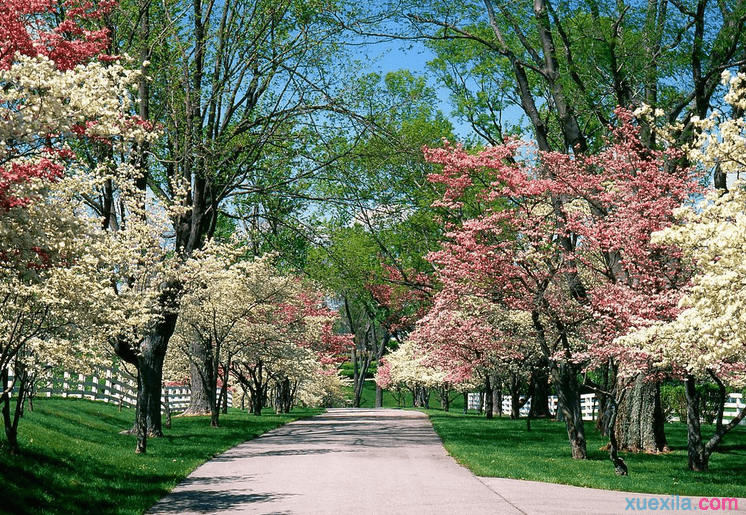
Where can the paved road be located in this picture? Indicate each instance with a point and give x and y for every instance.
(317, 466)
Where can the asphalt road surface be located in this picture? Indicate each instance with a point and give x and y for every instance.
(376, 462)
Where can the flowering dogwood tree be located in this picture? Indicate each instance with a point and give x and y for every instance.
(707, 339)
(59, 273)
(244, 317)
(410, 367)
(567, 240)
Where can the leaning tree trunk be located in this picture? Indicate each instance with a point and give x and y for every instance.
(640, 421)
(565, 380)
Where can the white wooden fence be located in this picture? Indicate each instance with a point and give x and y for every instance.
(589, 405)
(114, 386)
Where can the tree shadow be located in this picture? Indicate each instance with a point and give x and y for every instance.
(208, 501)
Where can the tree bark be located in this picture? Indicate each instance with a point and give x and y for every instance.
(150, 379)
(640, 424)
(11, 420)
(565, 380)
(199, 374)
(698, 458)
(488, 400)
(620, 467)
(540, 397)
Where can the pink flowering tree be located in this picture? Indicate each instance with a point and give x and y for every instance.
(565, 239)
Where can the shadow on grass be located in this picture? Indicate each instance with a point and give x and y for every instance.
(75, 462)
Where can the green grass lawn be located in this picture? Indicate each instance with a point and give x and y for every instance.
(503, 448)
(74, 461)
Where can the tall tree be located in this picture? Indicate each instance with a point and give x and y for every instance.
(55, 95)
(513, 255)
(706, 340)
(556, 70)
(375, 234)
(240, 90)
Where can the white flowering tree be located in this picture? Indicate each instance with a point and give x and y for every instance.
(55, 267)
(245, 318)
(708, 338)
(410, 367)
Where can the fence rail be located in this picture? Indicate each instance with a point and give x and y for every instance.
(116, 387)
(589, 405)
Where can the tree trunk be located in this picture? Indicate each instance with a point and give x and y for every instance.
(11, 420)
(514, 385)
(141, 421)
(150, 380)
(224, 390)
(640, 421)
(540, 394)
(284, 396)
(379, 397)
(565, 380)
(488, 400)
(497, 397)
(199, 380)
(445, 398)
(620, 467)
(698, 458)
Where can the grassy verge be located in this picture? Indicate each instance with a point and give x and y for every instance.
(503, 448)
(74, 461)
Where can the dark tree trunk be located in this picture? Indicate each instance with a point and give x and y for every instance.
(540, 394)
(150, 380)
(256, 403)
(514, 386)
(488, 400)
(698, 458)
(11, 420)
(565, 380)
(497, 397)
(640, 421)
(284, 396)
(620, 467)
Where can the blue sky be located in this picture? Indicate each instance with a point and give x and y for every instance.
(410, 55)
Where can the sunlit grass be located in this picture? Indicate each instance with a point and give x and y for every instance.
(503, 448)
(75, 461)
